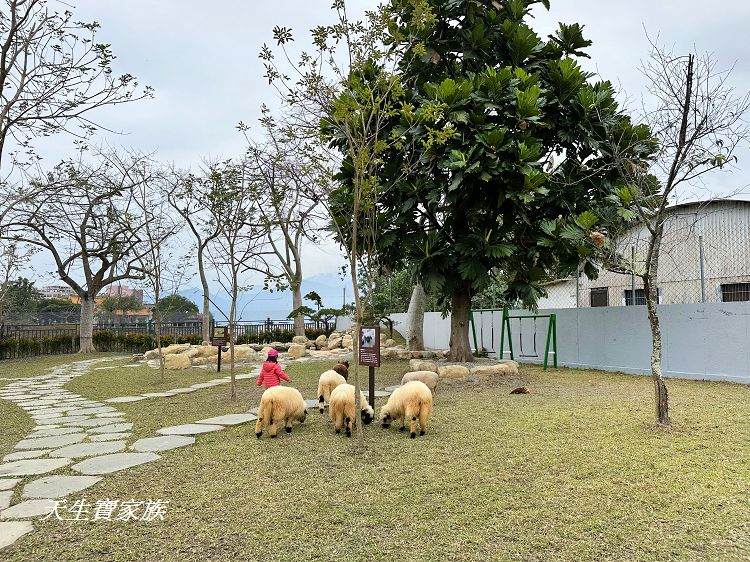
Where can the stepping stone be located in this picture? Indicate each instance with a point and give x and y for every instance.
(164, 443)
(92, 411)
(253, 411)
(124, 399)
(158, 394)
(182, 390)
(110, 415)
(8, 483)
(5, 498)
(311, 404)
(112, 463)
(11, 531)
(29, 508)
(51, 432)
(114, 428)
(204, 385)
(66, 420)
(20, 455)
(32, 466)
(51, 442)
(245, 377)
(392, 388)
(229, 419)
(189, 429)
(108, 437)
(58, 486)
(89, 449)
(96, 422)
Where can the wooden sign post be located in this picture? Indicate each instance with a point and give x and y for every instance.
(369, 355)
(220, 338)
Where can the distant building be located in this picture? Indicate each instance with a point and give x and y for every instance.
(61, 292)
(123, 291)
(705, 257)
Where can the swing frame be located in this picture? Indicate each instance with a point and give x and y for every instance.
(551, 336)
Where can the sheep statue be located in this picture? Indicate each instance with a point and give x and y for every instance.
(279, 403)
(410, 402)
(327, 382)
(341, 408)
(430, 378)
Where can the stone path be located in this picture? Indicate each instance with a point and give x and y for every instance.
(176, 391)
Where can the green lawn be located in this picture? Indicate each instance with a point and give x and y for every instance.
(574, 471)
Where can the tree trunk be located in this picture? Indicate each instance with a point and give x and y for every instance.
(299, 320)
(460, 347)
(652, 298)
(206, 325)
(415, 319)
(87, 325)
(232, 321)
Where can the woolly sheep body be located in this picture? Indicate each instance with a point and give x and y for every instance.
(326, 384)
(410, 402)
(341, 408)
(430, 378)
(279, 403)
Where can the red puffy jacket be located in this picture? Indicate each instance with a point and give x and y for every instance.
(271, 374)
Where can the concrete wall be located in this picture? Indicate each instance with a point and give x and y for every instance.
(708, 341)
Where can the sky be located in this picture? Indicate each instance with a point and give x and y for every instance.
(202, 60)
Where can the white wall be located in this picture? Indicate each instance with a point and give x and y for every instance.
(701, 341)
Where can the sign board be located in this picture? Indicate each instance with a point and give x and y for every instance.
(369, 346)
(220, 336)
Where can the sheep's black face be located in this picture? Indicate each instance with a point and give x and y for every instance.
(366, 417)
(386, 421)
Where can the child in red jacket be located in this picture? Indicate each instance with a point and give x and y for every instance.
(271, 373)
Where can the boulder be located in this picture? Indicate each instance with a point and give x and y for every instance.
(175, 348)
(192, 352)
(492, 371)
(389, 353)
(296, 351)
(197, 361)
(176, 361)
(428, 354)
(390, 343)
(321, 340)
(335, 335)
(402, 353)
(137, 358)
(263, 353)
(334, 343)
(453, 372)
(206, 350)
(246, 352)
(347, 341)
(420, 365)
(301, 340)
(512, 365)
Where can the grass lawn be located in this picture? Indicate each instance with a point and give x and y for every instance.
(574, 471)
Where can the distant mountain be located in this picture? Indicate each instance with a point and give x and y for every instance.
(259, 305)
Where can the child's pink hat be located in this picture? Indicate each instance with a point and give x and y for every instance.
(272, 353)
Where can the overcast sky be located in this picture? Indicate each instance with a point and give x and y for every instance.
(201, 58)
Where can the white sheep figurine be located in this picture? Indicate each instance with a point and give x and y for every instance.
(279, 403)
(412, 402)
(430, 378)
(327, 382)
(341, 408)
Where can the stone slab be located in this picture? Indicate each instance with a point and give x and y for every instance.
(107, 464)
(89, 449)
(8, 483)
(189, 429)
(163, 443)
(124, 399)
(159, 394)
(51, 442)
(5, 498)
(97, 422)
(114, 428)
(204, 385)
(186, 390)
(28, 508)
(31, 467)
(11, 531)
(58, 486)
(20, 455)
(109, 437)
(229, 419)
(52, 432)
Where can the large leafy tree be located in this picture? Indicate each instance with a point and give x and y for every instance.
(515, 151)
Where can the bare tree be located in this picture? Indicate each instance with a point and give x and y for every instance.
(286, 182)
(240, 241)
(84, 215)
(415, 318)
(698, 120)
(53, 73)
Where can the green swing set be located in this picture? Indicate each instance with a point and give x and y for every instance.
(550, 347)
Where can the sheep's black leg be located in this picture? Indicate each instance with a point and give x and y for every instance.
(321, 404)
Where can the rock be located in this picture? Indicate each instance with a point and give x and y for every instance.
(163, 443)
(176, 361)
(124, 399)
(29, 508)
(5, 498)
(58, 486)
(244, 351)
(419, 365)
(296, 351)
(321, 340)
(207, 350)
(114, 428)
(430, 378)
(389, 353)
(89, 449)
(112, 463)
(403, 353)
(453, 372)
(520, 390)
(229, 419)
(512, 365)
(21, 455)
(109, 437)
(51, 442)
(32, 466)
(263, 354)
(347, 341)
(189, 429)
(492, 371)
(11, 531)
(334, 343)
(137, 358)
(8, 483)
(428, 354)
(300, 340)
(390, 343)
(334, 335)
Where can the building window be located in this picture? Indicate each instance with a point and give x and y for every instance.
(600, 296)
(640, 297)
(735, 292)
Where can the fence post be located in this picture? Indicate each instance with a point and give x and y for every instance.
(632, 276)
(703, 269)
